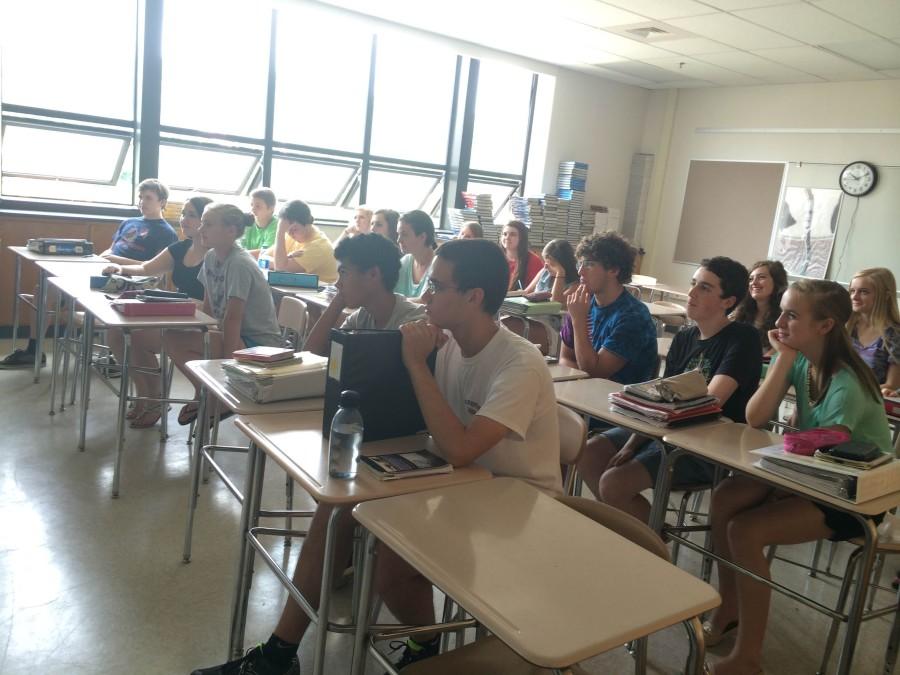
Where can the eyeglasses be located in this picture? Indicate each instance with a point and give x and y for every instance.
(435, 287)
(587, 264)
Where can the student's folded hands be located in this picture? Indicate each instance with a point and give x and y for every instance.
(420, 338)
(579, 303)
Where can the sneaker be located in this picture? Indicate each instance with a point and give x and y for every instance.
(413, 651)
(254, 662)
(21, 359)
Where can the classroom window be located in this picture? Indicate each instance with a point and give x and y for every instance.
(323, 80)
(187, 170)
(215, 68)
(413, 100)
(499, 192)
(402, 190)
(315, 182)
(502, 111)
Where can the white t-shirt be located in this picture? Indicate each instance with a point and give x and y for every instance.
(508, 382)
(404, 312)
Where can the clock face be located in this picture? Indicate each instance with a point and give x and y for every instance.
(858, 178)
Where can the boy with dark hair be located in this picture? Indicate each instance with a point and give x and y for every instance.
(368, 266)
(608, 332)
(141, 239)
(618, 465)
(261, 234)
(490, 401)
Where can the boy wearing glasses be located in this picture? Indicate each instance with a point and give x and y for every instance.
(618, 465)
(368, 267)
(608, 332)
(490, 401)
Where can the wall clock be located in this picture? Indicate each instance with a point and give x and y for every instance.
(858, 178)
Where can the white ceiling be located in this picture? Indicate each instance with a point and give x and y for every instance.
(706, 42)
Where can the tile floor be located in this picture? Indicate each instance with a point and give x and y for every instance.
(95, 586)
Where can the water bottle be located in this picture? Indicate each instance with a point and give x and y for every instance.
(264, 261)
(346, 437)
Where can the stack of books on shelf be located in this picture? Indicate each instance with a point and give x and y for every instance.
(667, 402)
(520, 306)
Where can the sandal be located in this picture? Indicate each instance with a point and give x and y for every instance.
(148, 418)
(188, 413)
(712, 639)
(132, 411)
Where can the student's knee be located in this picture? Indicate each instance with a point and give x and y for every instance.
(744, 534)
(391, 572)
(622, 483)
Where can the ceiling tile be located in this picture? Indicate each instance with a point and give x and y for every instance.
(733, 31)
(731, 5)
(878, 54)
(632, 49)
(662, 9)
(879, 16)
(693, 46)
(645, 71)
(818, 62)
(756, 66)
(593, 13)
(805, 23)
(685, 66)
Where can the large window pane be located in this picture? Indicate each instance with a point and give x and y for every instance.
(215, 66)
(312, 182)
(71, 56)
(400, 191)
(413, 98)
(66, 155)
(322, 81)
(501, 118)
(186, 170)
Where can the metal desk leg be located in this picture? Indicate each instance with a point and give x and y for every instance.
(70, 331)
(854, 617)
(15, 307)
(164, 385)
(196, 467)
(55, 353)
(325, 593)
(357, 666)
(124, 396)
(253, 485)
(697, 653)
(86, 349)
(662, 488)
(41, 302)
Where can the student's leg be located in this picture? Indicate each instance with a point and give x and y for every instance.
(791, 520)
(597, 453)
(404, 590)
(731, 497)
(184, 346)
(621, 487)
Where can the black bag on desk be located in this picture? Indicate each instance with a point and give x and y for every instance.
(370, 362)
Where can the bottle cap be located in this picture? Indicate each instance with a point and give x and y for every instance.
(349, 399)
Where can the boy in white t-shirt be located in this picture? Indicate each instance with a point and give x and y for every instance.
(490, 401)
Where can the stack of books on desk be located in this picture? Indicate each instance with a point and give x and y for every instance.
(667, 402)
(843, 481)
(302, 376)
(892, 406)
(521, 306)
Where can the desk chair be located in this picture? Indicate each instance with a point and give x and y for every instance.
(572, 439)
(489, 656)
(293, 318)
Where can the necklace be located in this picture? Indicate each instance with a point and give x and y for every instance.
(811, 387)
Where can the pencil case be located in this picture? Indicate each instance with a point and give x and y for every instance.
(807, 442)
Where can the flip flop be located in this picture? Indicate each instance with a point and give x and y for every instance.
(188, 413)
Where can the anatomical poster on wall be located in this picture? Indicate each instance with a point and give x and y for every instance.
(804, 231)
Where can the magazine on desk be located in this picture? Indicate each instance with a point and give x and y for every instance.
(837, 480)
(405, 465)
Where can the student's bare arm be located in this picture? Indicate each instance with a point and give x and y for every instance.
(763, 405)
(118, 259)
(318, 339)
(231, 326)
(161, 264)
(460, 445)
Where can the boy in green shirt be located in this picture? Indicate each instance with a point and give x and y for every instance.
(261, 235)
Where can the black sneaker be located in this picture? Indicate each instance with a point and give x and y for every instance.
(254, 662)
(21, 359)
(414, 651)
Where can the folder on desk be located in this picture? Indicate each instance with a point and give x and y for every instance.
(369, 362)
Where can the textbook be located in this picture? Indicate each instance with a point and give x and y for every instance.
(300, 377)
(838, 480)
(405, 465)
(681, 387)
(521, 306)
(135, 307)
(892, 406)
(263, 354)
(295, 279)
(55, 246)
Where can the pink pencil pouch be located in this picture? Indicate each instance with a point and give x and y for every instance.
(807, 442)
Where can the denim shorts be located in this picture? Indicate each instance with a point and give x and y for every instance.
(688, 470)
(249, 342)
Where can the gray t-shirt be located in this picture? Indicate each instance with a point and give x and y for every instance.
(238, 276)
(404, 311)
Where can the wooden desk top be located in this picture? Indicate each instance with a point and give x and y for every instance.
(561, 373)
(552, 584)
(730, 445)
(25, 254)
(59, 268)
(294, 441)
(74, 286)
(101, 308)
(212, 376)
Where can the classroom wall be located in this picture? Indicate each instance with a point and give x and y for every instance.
(671, 129)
